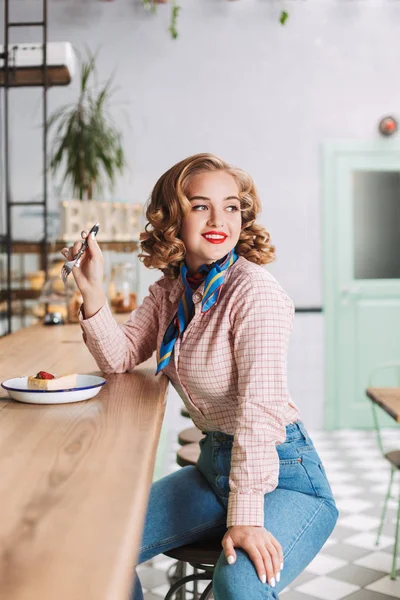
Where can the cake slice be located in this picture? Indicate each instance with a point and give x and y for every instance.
(46, 381)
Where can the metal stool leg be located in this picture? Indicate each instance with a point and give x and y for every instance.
(385, 506)
(393, 575)
(175, 573)
(195, 585)
(182, 583)
(182, 591)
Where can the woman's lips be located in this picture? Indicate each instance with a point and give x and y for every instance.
(214, 241)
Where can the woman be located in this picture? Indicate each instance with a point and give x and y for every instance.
(220, 324)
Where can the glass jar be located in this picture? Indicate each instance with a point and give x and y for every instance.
(59, 298)
(123, 287)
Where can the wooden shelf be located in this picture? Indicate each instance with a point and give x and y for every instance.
(35, 247)
(33, 76)
(21, 294)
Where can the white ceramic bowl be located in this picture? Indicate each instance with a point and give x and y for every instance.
(87, 387)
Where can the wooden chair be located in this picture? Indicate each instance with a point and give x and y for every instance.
(202, 556)
(387, 399)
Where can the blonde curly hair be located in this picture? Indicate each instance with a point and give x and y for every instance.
(162, 248)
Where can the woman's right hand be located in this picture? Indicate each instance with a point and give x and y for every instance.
(90, 273)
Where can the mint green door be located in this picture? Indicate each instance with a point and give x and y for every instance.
(361, 275)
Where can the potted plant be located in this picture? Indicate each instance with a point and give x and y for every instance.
(87, 145)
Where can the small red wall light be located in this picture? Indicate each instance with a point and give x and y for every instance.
(388, 126)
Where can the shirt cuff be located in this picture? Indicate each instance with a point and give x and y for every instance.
(99, 326)
(245, 509)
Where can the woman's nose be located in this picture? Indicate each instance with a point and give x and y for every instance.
(216, 225)
(216, 220)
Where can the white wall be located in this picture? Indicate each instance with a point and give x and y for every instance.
(238, 84)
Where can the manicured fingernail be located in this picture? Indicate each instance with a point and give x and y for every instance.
(263, 579)
(231, 559)
(272, 582)
(278, 576)
(93, 235)
(281, 566)
(78, 263)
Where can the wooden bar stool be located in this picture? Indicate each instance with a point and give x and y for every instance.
(191, 435)
(201, 556)
(188, 454)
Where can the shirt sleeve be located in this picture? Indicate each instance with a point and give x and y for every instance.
(261, 325)
(119, 348)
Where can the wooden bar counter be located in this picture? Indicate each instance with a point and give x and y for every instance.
(74, 478)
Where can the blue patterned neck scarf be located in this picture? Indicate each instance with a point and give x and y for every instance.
(214, 276)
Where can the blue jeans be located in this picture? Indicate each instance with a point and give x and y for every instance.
(191, 505)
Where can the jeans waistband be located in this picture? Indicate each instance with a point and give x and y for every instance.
(294, 431)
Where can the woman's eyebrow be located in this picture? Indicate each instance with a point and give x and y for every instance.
(209, 199)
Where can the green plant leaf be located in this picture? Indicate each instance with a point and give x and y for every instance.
(283, 17)
(174, 19)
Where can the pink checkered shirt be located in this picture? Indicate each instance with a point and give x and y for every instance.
(229, 369)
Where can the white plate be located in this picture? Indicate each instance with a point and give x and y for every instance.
(87, 387)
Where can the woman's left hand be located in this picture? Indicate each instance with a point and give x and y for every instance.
(261, 546)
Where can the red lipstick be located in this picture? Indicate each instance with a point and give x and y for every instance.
(215, 240)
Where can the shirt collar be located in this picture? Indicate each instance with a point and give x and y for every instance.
(178, 287)
(177, 290)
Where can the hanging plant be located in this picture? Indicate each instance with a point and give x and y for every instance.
(174, 18)
(152, 6)
(283, 17)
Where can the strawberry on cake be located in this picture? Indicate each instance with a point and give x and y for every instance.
(47, 381)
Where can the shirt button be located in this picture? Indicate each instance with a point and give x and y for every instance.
(197, 297)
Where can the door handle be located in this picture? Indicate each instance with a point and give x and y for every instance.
(350, 291)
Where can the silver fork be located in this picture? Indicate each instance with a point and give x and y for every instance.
(70, 264)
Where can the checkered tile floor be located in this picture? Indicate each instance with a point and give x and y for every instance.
(350, 565)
